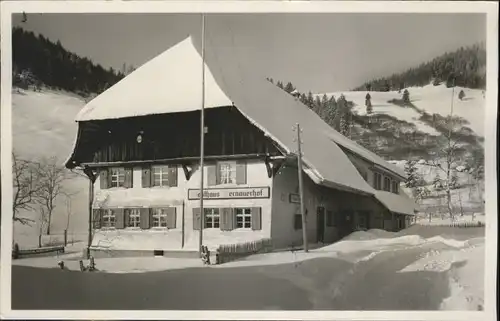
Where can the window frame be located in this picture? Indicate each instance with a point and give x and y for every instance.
(243, 215)
(130, 212)
(232, 173)
(158, 214)
(387, 187)
(377, 181)
(163, 173)
(395, 186)
(120, 174)
(108, 220)
(214, 213)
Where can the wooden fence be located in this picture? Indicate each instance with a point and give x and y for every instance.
(18, 253)
(231, 252)
(457, 224)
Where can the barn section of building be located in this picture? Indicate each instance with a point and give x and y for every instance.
(139, 143)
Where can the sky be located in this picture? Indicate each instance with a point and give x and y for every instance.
(316, 52)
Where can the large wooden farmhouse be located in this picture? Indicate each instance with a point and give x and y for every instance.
(139, 143)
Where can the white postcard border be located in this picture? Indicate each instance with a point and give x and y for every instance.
(490, 8)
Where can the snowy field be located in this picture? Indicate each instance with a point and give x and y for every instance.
(431, 99)
(461, 259)
(43, 126)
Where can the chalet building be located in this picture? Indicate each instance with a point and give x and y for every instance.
(139, 143)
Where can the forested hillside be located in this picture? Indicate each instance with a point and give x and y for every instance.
(37, 61)
(465, 67)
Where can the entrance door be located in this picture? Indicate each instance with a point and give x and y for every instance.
(320, 225)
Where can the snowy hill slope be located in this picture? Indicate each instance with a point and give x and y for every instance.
(391, 136)
(430, 99)
(43, 126)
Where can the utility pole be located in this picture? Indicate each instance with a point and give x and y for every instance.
(202, 131)
(301, 187)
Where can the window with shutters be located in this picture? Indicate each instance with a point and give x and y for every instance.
(395, 187)
(133, 216)
(108, 218)
(227, 172)
(117, 177)
(243, 218)
(387, 184)
(159, 217)
(164, 175)
(212, 218)
(377, 181)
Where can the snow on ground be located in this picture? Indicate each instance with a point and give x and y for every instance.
(466, 278)
(359, 246)
(355, 246)
(437, 99)
(382, 106)
(432, 99)
(114, 265)
(43, 126)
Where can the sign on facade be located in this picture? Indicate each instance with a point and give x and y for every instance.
(230, 193)
(294, 198)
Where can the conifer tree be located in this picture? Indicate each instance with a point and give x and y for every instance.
(368, 104)
(310, 100)
(406, 97)
(289, 87)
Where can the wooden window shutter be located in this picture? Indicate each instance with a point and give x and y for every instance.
(212, 175)
(171, 217)
(146, 177)
(129, 177)
(256, 218)
(241, 172)
(144, 221)
(119, 218)
(226, 219)
(96, 217)
(196, 218)
(103, 178)
(126, 214)
(172, 175)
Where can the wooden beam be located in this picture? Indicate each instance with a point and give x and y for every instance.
(178, 160)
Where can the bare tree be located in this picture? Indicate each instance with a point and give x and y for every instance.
(51, 187)
(446, 158)
(25, 187)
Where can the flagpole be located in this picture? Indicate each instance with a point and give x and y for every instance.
(202, 130)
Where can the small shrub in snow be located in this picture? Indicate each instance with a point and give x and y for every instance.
(461, 95)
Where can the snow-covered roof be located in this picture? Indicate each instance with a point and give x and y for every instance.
(397, 203)
(171, 82)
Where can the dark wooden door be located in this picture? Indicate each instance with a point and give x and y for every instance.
(320, 225)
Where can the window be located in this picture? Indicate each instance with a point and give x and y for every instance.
(160, 175)
(117, 177)
(134, 217)
(377, 181)
(164, 175)
(108, 218)
(395, 187)
(243, 218)
(212, 217)
(159, 217)
(387, 184)
(227, 173)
